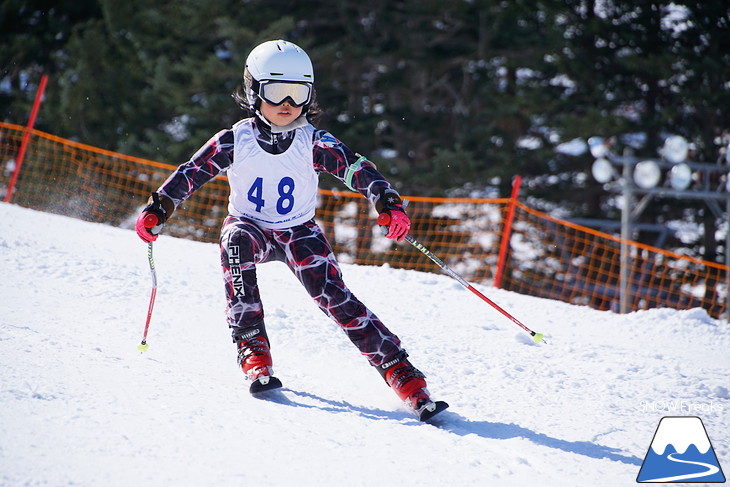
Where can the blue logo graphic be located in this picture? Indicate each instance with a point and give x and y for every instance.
(328, 141)
(681, 452)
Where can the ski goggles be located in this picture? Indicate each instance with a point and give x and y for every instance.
(277, 92)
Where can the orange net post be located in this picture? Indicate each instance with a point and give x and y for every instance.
(507, 232)
(546, 256)
(26, 137)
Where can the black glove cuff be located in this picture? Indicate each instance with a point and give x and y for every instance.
(388, 200)
(155, 207)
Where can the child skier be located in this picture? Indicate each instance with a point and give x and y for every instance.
(272, 161)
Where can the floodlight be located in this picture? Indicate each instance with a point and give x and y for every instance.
(598, 147)
(602, 170)
(647, 174)
(680, 176)
(675, 149)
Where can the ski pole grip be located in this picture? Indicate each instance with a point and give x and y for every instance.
(151, 220)
(384, 219)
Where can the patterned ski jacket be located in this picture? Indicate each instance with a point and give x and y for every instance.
(329, 155)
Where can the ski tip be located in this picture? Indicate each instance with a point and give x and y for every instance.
(258, 387)
(430, 412)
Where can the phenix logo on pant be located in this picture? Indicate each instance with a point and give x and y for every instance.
(234, 261)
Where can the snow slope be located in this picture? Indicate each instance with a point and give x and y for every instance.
(81, 406)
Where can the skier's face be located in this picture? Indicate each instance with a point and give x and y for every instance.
(280, 115)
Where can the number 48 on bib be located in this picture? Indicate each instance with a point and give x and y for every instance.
(284, 203)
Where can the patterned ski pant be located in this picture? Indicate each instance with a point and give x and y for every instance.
(306, 251)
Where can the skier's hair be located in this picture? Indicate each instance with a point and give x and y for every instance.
(313, 112)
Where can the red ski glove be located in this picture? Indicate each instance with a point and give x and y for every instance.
(147, 227)
(151, 220)
(392, 214)
(399, 224)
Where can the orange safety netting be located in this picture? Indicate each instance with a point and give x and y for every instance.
(546, 257)
(556, 259)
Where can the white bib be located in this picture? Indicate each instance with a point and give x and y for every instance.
(274, 190)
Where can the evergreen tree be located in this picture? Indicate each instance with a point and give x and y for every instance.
(642, 70)
(33, 35)
(438, 94)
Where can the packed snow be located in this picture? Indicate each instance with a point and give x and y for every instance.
(82, 406)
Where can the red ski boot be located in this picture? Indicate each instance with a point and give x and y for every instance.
(254, 357)
(409, 384)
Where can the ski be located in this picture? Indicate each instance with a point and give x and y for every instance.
(263, 384)
(432, 410)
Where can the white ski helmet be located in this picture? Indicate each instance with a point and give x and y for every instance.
(274, 61)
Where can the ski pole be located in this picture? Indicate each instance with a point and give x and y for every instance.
(384, 219)
(149, 222)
